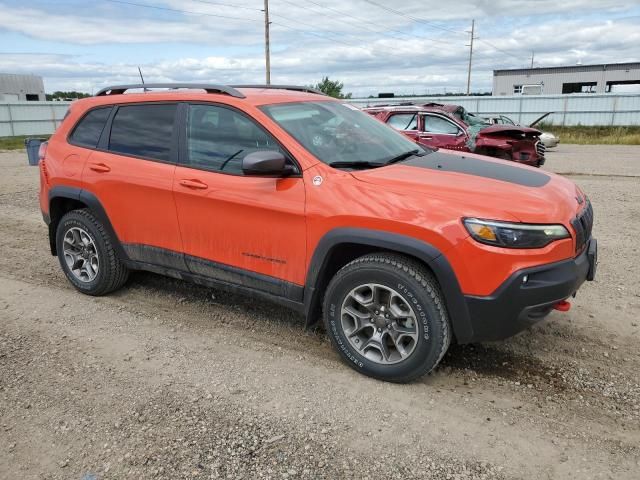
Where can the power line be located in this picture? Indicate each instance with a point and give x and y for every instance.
(415, 19)
(234, 5)
(499, 49)
(383, 33)
(347, 22)
(157, 7)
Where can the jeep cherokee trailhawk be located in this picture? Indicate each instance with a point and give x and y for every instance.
(298, 198)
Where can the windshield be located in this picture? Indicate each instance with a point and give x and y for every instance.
(339, 133)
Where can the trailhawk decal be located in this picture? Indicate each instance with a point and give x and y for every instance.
(504, 172)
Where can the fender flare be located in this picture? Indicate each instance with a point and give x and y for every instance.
(454, 299)
(93, 203)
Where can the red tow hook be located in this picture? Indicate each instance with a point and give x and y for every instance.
(562, 306)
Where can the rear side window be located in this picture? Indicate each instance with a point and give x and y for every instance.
(88, 131)
(144, 131)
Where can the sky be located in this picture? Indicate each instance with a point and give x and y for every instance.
(372, 46)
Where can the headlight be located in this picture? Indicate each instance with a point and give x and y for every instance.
(514, 235)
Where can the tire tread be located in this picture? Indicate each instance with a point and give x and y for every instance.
(421, 274)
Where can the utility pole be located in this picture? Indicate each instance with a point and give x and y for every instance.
(267, 55)
(532, 56)
(473, 23)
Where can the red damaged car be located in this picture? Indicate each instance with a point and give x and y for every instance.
(452, 127)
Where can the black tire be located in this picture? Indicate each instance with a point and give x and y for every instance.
(415, 283)
(111, 273)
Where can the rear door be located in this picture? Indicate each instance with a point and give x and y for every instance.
(247, 230)
(131, 173)
(438, 131)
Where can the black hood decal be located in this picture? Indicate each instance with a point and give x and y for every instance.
(447, 162)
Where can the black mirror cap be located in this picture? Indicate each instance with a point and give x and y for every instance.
(266, 163)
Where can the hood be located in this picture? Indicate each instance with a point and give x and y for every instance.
(539, 119)
(509, 131)
(475, 185)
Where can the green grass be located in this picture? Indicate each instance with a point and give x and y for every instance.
(595, 135)
(16, 143)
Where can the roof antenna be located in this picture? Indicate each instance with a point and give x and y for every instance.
(141, 78)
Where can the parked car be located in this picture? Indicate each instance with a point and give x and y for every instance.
(547, 138)
(297, 198)
(453, 128)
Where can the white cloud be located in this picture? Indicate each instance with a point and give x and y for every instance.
(405, 56)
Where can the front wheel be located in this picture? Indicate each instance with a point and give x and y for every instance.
(386, 317)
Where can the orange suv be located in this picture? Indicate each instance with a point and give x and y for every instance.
(298, 198)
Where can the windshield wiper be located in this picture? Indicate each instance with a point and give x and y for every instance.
(404, 156)
(356, 164)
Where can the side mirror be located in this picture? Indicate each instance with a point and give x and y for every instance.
(267, 163)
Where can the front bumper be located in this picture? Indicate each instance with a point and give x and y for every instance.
(516, 305)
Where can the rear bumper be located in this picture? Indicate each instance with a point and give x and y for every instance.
(516, 305)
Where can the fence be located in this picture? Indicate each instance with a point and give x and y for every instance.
(31, 118)
(41, 118)
(579, 109)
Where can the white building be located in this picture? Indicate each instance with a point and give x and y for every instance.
(603, 78)
(21, 88)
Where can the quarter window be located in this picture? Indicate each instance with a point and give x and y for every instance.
(88, 131)
(435, 124)
(144, 131)
(219, 138)
(404, 121)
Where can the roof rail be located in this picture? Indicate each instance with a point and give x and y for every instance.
(209, 88)
(295, 88)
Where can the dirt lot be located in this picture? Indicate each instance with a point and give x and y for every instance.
(168, 380)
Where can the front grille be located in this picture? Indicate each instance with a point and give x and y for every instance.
(540, 148)
(582, 226)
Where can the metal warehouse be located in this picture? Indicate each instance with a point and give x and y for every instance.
(21, 88)
(603, 78)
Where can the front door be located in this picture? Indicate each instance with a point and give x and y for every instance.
(406, 122)
(438, 131)
(240, 229)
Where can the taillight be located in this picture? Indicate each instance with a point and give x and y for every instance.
(42, 151)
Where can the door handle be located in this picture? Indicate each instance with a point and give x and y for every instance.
(100, 167)
(425, 137)
(194, 184)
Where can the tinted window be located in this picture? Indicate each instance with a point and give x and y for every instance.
(404, 121)
(87, 132)
(143, 130)
(439, 125)
(218, 138)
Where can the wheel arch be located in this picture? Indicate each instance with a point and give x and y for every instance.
(339, 246)
(65, 199)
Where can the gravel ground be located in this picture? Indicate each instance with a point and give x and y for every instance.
(168, 380)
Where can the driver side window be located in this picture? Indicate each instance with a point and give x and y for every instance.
(435, 124)
(219, 138)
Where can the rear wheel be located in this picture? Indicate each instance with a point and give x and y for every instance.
(86, 254)
(385, 315)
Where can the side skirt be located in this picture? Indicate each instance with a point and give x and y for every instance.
(224, 277)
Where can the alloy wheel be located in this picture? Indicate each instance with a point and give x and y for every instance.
(379, 323)
(80, 254)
